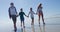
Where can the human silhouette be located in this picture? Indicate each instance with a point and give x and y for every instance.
(31, 13)
(40, 13)
(21, 14)
(12, 14)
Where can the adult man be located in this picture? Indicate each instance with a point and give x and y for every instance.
(12, 14)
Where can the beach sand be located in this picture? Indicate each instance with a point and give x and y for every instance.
(50, 26)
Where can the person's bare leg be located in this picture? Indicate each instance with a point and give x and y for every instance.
(43, 19)
(33, 21)
(39, 19)
(23, 24)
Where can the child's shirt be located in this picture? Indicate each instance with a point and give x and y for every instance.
(21, 14)
(31, 14)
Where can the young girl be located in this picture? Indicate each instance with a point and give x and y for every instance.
(21, 14)
(40, 13)
(31, 13)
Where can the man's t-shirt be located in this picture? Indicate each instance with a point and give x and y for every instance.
(12, 11)
(21, 15)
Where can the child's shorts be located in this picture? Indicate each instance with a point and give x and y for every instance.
(22, 19)
(32, 17)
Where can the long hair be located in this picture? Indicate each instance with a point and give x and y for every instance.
(40, 5)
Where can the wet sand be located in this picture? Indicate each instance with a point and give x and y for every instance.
(50, 26)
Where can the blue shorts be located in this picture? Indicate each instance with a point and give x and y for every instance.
(32, 17)
(22, 19)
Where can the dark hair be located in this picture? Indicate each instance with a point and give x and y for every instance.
(11, 3)
(21, 9)
(39, 5)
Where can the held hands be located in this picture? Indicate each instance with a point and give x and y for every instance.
(27, 16)
(17, 15)
(36, 13)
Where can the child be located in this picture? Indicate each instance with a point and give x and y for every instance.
(32, 16)
(21, 14)
(40, 13)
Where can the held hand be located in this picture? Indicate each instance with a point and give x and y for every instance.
(36, 13)
(17, 15)
(27, 16)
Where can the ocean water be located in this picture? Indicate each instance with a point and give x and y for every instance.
(52, 25)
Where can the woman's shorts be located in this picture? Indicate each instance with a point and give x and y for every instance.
(40, 13)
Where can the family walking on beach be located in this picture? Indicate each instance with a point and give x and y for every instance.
(13, 14)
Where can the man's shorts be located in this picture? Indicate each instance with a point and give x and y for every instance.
(13, 18)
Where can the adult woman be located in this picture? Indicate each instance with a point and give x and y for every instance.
(40, 13)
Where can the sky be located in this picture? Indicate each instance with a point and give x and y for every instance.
(51, 8)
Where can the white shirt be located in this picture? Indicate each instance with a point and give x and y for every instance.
(39, 10)
(31, 14)
(13, 11)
